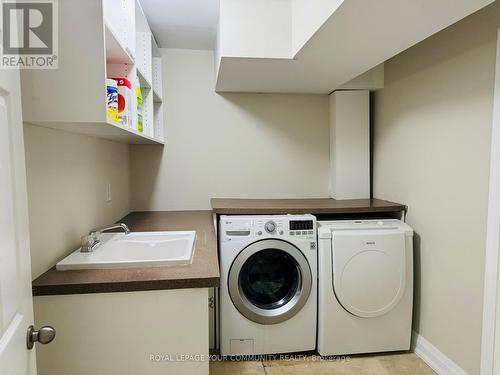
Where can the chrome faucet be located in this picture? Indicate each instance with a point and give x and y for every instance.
(92, 241)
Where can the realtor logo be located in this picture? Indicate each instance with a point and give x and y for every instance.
(29, 34)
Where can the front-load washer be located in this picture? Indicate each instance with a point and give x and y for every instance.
(268, 291)
(365, 286)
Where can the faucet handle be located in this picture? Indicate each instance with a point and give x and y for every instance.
(89, 242)
(96, 237)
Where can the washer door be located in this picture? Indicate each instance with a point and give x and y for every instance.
(369, 271)
(269, 281)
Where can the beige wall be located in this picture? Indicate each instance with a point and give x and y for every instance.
(431, 151)
(67, 176)
(229, 145)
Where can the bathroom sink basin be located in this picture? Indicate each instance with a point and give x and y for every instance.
(137, 249)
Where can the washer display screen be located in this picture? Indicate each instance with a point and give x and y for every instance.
(301, 225)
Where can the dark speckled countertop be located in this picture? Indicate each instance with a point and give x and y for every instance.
(203, 272)
(315, 206)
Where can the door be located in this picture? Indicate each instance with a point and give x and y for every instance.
(16, 305)
(490, 341)
(270, 281)
(369, 270)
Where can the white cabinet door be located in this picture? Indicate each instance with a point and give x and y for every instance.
(16, 304)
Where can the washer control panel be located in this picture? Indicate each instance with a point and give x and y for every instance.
(286, 226)
(276, 226)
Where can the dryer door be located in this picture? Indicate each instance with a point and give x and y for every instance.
(368, 270)
(269, 281)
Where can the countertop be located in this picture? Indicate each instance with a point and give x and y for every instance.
(203, 272)
(224, 206)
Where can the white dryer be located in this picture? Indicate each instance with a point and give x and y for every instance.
(365, 287)
(268, 291)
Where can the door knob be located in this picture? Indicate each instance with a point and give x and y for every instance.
(44, 335)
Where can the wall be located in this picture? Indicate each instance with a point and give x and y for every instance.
(308, 17)
(258, 28)
(67, 176)
(270, 29)
(350, 144)
(230, 145)
(432, 133)
(373, 79)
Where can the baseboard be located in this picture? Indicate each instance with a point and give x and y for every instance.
(436, 359)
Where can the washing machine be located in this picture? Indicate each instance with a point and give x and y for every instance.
(268, 291)
(365, 286)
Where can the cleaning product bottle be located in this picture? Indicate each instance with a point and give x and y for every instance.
(138, 92)
(124, 100)
(112, 100)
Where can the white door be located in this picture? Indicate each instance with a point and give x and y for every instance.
(490, 345)
(16, 304)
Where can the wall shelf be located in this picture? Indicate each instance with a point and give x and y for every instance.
(157, 97)
(114, 41)
(144, 82)
(105, 130)
(115, 52)
(157, 76)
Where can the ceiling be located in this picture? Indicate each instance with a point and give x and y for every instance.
(188, 24)
(357, 37)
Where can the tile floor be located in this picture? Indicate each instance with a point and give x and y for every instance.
(385, 364)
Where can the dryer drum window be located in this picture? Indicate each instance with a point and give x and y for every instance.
(269, 281)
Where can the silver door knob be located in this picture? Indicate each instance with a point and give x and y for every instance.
(44, 335)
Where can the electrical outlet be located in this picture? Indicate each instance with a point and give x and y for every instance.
(108, 192)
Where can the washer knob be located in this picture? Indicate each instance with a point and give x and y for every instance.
(270, 227)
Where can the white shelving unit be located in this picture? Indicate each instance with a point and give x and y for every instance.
(98, 39)
(159, 127)
(115, 52)
(119, 17)
(157, 79)
(149, 68)
(144, 53)
(145, 83)
(158, 106)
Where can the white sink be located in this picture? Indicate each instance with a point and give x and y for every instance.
(137, 249)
